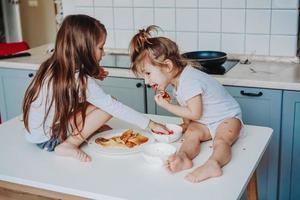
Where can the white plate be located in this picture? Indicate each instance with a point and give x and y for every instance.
(117, 150)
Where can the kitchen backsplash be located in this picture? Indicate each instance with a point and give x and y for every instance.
(253, 27)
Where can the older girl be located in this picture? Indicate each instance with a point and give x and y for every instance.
(64, 105)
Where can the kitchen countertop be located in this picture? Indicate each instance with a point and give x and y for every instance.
(261, 74)
(125, 177)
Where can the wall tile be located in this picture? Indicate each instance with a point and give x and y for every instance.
(209, 20)
(186, 3)
(143, 3)
(103, 3)
(84, 3)
(84, 10)
(123, 3)
(209, 3)
(288, 4)
(283, 45)
(261, 16)
(123, 38)
(232, 43)
(233, 20)
(123, 18)
(164, 3)
(258, 3)
(110, 39)
(268, 27)
(284, 22)
(165, 18)
(233, 3)
(257, 44)
(105, 15)
(186, 19)
(168, 34)
(209, 41)
(143, 17)
(187, 41)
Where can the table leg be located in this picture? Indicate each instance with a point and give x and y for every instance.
(252, 188)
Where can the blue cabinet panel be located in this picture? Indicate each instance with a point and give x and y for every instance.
(290, 147)
(262, 107)
(13, 84)
(130, 92)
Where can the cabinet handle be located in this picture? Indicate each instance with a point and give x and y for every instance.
(251, 94)
(138, 85)
(149, 86)
(30, 75)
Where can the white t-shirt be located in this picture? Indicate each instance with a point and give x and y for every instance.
(218, 104)
(95, 96)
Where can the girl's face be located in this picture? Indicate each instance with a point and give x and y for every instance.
(99, 52)
(155, 76)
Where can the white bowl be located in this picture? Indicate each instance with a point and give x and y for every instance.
(177, 133)
(157, 153)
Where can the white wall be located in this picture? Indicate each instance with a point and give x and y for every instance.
(260, 27)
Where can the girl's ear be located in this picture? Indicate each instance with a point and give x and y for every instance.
(168, 65)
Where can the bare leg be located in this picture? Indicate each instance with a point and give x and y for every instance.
(226, 134)
(95, 119)
(189, 149)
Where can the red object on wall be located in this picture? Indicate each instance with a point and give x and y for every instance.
(14, 47)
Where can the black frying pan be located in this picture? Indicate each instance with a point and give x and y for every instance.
(207, 58)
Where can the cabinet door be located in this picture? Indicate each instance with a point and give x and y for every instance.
(130, 92)
(290, 147)
(13, 84)
(262, 107)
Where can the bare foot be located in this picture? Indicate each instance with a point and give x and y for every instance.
(69, 150)
(178, 162)
(210, 169)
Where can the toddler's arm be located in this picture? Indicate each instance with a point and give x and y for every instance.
(193, 110)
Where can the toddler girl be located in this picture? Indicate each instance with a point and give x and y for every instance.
(207, 109)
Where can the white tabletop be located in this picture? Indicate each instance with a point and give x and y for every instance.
(125, 177)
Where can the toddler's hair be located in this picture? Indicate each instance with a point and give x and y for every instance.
(66, 73)
(154, 50)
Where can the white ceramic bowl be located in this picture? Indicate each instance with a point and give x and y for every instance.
(177, 133)
(157, 153)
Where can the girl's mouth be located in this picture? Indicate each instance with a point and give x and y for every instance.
(155, 87)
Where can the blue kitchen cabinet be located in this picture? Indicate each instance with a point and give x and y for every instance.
(130, 92)
(289, 180)
(262, 107)
(13, 84)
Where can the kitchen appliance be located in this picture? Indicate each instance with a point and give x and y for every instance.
(123, 61)
(206, 58)
(221, 69)
(212, 62)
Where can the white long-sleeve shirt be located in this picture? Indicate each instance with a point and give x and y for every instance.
(95, 96)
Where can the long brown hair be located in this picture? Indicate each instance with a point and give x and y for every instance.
(74, 54)
(143, 47)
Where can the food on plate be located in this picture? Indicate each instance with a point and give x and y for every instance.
(128, 139)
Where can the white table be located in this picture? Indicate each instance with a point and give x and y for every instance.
(125, 177)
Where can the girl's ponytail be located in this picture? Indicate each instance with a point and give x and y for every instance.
(141, 40)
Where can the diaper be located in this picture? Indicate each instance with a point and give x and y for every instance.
(212, 127)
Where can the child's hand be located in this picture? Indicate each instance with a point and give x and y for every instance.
(159, 128)
(102, 74)
(160, 100)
